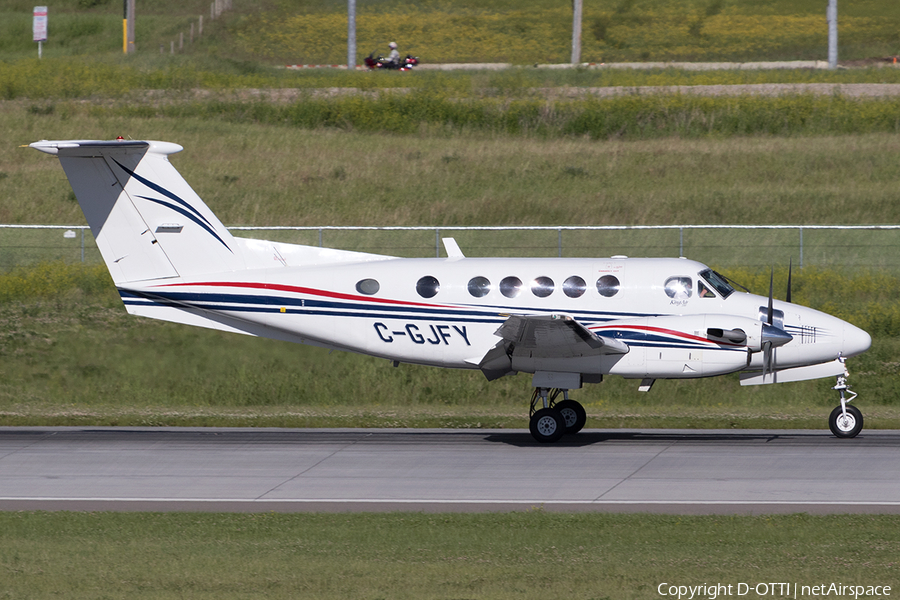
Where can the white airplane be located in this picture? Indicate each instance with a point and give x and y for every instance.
(567, 322)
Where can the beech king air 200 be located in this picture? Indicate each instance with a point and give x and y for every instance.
(565, 321)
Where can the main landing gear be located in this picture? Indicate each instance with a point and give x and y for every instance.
(554, 419)
(845, 421)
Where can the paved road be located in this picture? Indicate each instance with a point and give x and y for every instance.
(674, 471)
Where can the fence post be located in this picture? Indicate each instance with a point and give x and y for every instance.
(681, 241)
(559, 241)
(437, 242)
(320, 237)
(801, 246)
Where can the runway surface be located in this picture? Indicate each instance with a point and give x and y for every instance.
(285, 470)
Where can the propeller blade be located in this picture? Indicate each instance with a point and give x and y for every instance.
(767, 359)
(790, 268)
(769, 314)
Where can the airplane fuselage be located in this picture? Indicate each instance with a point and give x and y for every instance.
(445, 312)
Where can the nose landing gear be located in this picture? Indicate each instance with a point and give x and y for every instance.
(555, 419)
(845, 421)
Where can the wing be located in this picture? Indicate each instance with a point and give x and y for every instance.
(544, 337)
(556, 336)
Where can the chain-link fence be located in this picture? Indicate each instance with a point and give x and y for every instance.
(868, 247)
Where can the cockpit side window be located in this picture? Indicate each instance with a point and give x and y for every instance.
(703, 291)
(718, 282)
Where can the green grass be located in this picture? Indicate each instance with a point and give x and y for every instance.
(94, 28)
(465, 31)
(453, 150)
(70, 355)
(75, 357)
(524, 555)
(624, 117)
(171, 77)
(83, 54)
(277, 174)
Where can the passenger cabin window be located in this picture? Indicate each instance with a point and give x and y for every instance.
(574, 286)
(428, 286)
(679, 288)
(510, 286)
(608, 286)
(368, 287)
(542, 287)
(479, 286)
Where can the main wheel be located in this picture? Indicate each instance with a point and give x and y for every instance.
(573, 414)
(547, 425)
(845, 426)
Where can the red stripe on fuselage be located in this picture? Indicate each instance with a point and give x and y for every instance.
(304, 290)
(671, 332)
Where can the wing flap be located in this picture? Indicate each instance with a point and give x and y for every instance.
(556, 336)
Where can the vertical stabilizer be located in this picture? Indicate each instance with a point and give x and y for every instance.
(148, 222)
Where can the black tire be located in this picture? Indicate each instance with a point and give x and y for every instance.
(547, 425)
(845, 427)
(573, 414)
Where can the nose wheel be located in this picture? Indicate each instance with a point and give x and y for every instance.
(845, 421)
(555, 419)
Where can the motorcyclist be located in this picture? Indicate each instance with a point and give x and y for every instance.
(394, 56)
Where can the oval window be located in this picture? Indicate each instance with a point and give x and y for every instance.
(479, 286)
(542, 287)
(608, 286)
(368, 287)
(428, 286)
(678, 288)
(574, 286)
(510, 286)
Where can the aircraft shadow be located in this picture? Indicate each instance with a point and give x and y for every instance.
(589, 438)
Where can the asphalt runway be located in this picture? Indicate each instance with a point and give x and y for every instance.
(292, 470)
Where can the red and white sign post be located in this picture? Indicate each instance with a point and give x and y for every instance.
(39, 26)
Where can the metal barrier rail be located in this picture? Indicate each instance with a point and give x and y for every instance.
(859, 249)
(561, 228)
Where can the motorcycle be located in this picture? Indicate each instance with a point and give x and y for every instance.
(405, 64)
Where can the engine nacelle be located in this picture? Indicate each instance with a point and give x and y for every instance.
(687, 346)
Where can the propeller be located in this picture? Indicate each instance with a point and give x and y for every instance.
(772, 336)
(790, 268)
(767, 344)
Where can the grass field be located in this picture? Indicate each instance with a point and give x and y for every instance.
(520, 555)
(70, 356)
(278, 174)
(523, 32)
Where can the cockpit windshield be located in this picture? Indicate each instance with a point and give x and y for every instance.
(718, 282)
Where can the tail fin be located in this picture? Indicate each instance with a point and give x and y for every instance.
(148, 222)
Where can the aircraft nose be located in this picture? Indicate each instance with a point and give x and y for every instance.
(856, 341)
